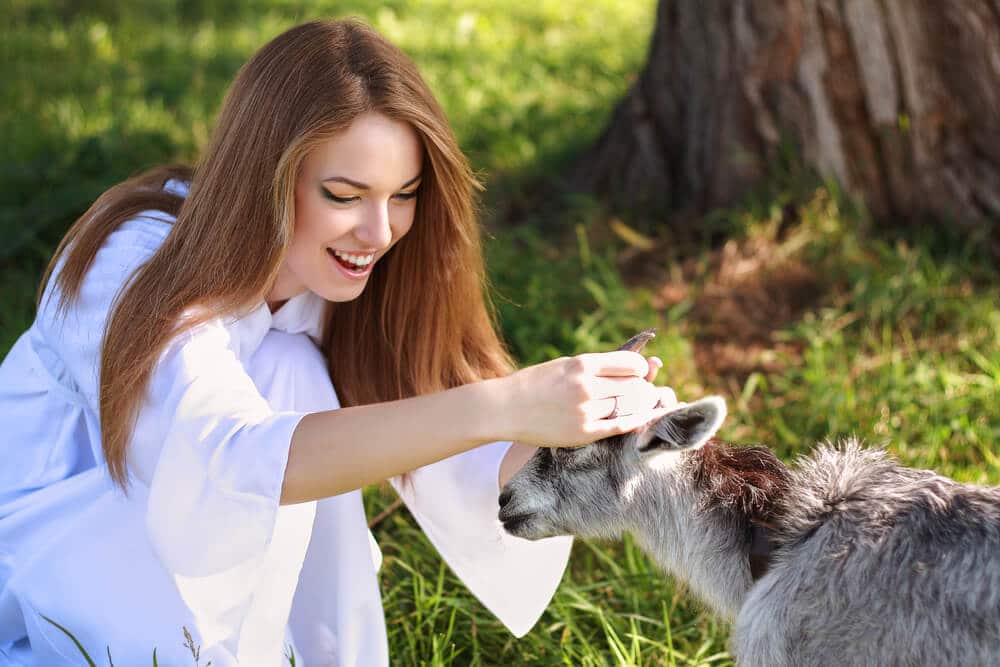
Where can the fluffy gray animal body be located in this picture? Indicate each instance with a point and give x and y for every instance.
(872, 563)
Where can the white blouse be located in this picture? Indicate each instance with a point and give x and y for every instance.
(200, 540)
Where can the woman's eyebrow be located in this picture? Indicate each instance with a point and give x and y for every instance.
(365, 186)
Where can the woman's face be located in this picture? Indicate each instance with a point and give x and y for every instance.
(354, 198)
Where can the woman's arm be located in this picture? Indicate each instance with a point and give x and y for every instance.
(336, 451)
(563, 402)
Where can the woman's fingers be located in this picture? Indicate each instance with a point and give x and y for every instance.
(619, 363)
(630, 394)
(668, 399)
(632, 401)
(655, 364)
(605, 428)
(603, 408)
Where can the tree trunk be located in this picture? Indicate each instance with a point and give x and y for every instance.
(899, 100)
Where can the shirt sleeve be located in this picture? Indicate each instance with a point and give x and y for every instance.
(455, 503)
(213, 454)
(206, 447)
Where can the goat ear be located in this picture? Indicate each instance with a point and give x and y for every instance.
(638, 341)
(687, 427)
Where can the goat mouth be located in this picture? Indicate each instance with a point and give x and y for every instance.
(513, 524)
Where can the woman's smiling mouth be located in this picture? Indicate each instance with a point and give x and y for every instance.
(353, 265)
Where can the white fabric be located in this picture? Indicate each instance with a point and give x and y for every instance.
(200, 541)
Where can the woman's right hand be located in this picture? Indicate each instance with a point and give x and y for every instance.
(573, 401)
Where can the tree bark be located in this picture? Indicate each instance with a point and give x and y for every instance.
(896, 99)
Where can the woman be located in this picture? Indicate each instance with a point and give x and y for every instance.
(174, 452)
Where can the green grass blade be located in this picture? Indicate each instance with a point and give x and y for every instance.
(75, 641)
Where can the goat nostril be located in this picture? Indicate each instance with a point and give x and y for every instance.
(505, 497)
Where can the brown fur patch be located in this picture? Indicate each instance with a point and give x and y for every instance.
(749, 481)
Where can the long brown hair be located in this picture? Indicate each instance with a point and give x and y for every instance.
(423, 323)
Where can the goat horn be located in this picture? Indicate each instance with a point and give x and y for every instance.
(638, 341)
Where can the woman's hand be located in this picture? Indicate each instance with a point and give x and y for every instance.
(573, 401)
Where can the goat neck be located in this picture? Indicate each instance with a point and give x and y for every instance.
(693, 514)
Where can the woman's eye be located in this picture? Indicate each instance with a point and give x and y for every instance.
(406, 195)
(339, 200)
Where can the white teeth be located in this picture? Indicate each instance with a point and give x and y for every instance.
(357, 260)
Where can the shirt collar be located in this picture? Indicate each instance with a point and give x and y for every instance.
(300, 314)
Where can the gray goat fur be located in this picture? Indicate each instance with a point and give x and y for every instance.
(873, 563)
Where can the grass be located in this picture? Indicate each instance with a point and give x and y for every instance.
(811, 322)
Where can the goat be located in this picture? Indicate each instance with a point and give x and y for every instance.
(867, 562)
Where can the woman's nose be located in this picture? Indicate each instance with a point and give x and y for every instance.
(375, 231)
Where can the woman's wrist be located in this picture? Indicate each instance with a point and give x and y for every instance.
(489, 402)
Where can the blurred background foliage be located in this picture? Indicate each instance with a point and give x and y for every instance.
(810, 321)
